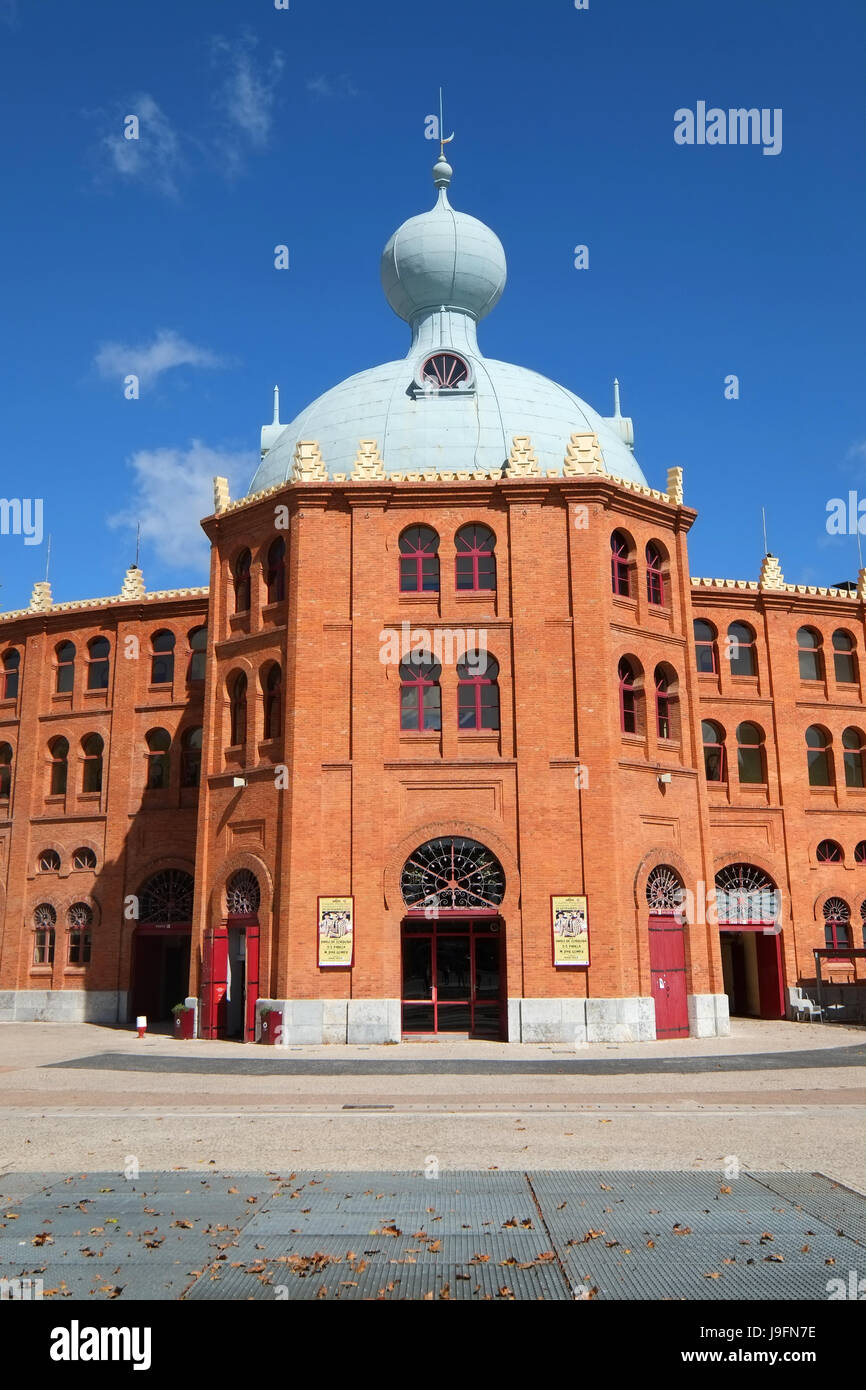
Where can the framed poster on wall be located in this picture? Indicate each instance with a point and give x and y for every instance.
(336, 931)
(570, 924)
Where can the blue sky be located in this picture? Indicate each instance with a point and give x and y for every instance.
(306, 127)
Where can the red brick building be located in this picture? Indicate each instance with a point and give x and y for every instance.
(451, 680)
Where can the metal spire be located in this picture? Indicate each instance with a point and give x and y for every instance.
(443, 139)
(616, 409)
(276, 405)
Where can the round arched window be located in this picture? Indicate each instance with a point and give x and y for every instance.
(445, 371)
(453, 872)
(166, 898)
(243, 894)
(664, 889)
(746, 895)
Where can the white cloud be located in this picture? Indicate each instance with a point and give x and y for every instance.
(155, 159)
(246, 97)
(148, 361)
(173, 490)
(331, 88)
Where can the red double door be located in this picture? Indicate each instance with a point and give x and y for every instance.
(230, 979)
(667, 952)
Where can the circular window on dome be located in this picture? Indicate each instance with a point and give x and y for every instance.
(444, 371)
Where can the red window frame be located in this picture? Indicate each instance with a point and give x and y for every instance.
(628, 698)
(655, 579)
(819, 755)
(6, 759)
(98, 663)
(158, 743)
(665, 699)
(58, 752)
(475, 560)
(745, 756)
(11, 673)
(419, 560)
(64, 677)
(811, 658)
(746, 656)
(854, 757)
(93, 748)
(162, 646)
(620, 565)
(276, 571)
(702, 644)
(197, 639)
(476, 672)
(829, 852)
(717, 743)
(845, 666)
(417, 676)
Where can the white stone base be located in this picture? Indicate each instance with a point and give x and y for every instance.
(709, 1016)
(63, 1006)
(320, 1021)
(580, 1021)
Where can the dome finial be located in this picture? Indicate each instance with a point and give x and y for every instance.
(442, 170)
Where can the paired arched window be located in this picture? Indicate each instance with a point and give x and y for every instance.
(162, 657)
(158, 759)
(275, 574)
(49, 861)
(58, 751)
(64, 669)
(751, 760)
(10, 673)
(809, 654)
(741, 650)
(706, 651)
(476, 561)
(655, 579)
(84, 858)
(837, 923)
(629, 697)
(92, 746)
(238, 710)
(420, 692)
(419, 560)
(79, 920)
(477, 691)
(713, 737)
(819, 757)
(243, 588)
(197, 639)
(854, 755)
(98, 658)
(844, 658)
(620, 564)
(5, 771)
(190, 756)
(44, 923)
(667, 704)
(829, 852)
(273, 692)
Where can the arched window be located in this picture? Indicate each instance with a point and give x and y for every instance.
(860, 853)
(197, 639)
(420, 692)
(84, 858)
(809, 654)
(92, 747)
(158, 759)
(746, 896)
(655, 579)
(44, 922)
(629, 698)
(706, 653)
(667, 704)
(837, 923)
(165, 899)
(453, 872)
(276, 571)
(829, 852)
(844, 658)
(476, 562)
(5, 771)
(79, 919)
(98, 654)
(238, 710)
(241, 572)
(49, 861)
(162, 658)
(243, 894)
(620, 565)
(10, 673)
(854, 754)
(190, 757)
(274, 702)
(819, 757)
(477, 691)
(419, 560)
(750, 753)
(664, 890)
(58, 750)
(64, 670)
(741, 650)
(713, 736)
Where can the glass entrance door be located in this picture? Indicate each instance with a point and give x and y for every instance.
(453, 978)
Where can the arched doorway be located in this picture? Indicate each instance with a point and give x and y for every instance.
(161, 945)
(230, 963)
(747, 902)
(453, 954)
(667, 951)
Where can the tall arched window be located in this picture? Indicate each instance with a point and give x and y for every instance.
(477, 691)
(476, 562)
(197, 639)
(629, 698)
(5, 771)
(44, 922)
(829, 852)
(274, 702)
(238, 710)
(276, 571)
(98, 656)
(667, 704)
(420, 693)
(92, 747)
(190, 757)
(58, 750)
(854, 755)
(655, 579)
(64, 677)
(158, 758)
(419, 560)
(620, 564)
(243, 589)
(819, 757)
(713, 736)
(706, 652)
(751, 766)
(844, 658)
(162, 657)
(809, 655)
(79, 919)
(837, 923)
(10, 674)
(741, 650)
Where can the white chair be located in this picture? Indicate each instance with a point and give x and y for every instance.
(801, 1004)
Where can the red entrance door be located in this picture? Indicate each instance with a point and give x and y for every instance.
(667, 949)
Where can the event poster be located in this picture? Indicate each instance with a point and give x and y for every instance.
(570, 931)
(336, 931)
